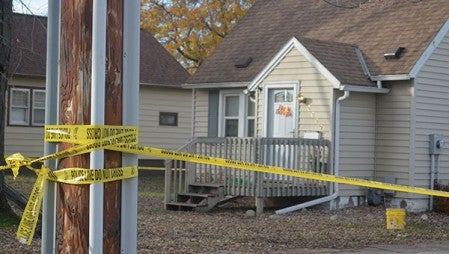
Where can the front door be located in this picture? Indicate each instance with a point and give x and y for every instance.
(281, 123)
(281, 113)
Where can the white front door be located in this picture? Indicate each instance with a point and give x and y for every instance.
(281, 113)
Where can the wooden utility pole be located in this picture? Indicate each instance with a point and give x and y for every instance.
(113, 116)
(72, 226)
(5, 41)
(72, 201)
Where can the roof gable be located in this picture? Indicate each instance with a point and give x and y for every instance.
(374, 27)
(28, 54)
(340, 64)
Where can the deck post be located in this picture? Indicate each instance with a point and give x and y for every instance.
(259, 194)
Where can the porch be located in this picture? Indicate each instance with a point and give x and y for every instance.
(194, 186)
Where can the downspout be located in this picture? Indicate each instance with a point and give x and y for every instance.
(379, 84)
(336, 164)
(193, 113)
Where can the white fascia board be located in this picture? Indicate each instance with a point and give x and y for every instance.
(217, 85)
(394, 77)
(363, 89)
(430, 49)
(293, 43)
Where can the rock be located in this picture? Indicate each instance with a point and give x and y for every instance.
(275, 216)
(336, 217)
(250, 214)
(424, 217)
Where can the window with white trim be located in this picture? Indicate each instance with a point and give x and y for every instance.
(26, 106)
(237, 115)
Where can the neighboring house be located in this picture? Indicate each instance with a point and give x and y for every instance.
(165, 116)
(372, 80)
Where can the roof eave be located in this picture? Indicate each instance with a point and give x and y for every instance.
(27, 75)
(217, 85)
(161, 85)
(430, 49)
(392, 77)
(364, 89)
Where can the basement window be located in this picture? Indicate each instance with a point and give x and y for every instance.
(168, 119)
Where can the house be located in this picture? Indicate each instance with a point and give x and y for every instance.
(165, 108)
(351, 88)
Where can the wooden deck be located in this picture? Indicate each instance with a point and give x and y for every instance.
(302, 154)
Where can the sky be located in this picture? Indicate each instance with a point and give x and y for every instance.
(37, 7)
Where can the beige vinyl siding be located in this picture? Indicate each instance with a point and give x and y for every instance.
(28, 141)
(393, 128)
(156, 99)
(432, 113)
(201, 113)
(357, 139)
(295, 67)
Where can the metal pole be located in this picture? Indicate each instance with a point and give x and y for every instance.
(97, 118)
(51, 117)
(131, 60)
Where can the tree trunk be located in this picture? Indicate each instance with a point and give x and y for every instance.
(5, 36)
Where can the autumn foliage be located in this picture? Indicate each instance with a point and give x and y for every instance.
(191, 29)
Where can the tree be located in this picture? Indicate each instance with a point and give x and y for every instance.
(191, 29)
(5, 25)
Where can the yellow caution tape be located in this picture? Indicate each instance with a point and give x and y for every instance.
(124, 139)
(166, 154)
(89, 176)
(81, 134)
(30, 215)
(150, 151)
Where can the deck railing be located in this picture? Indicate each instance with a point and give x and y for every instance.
(292, 153)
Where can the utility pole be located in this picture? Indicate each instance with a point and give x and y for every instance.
(72, 201)
(98, 81)
(5, 39)
(113, 116)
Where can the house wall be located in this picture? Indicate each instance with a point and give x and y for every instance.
(314, 86)
(394, 134)
(201, 101)
(357, 140)
(158, 99)
(432, 114)
(28, 141)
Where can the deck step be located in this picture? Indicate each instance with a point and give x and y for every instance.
(181, 206)
(198, 195)
(211, 185)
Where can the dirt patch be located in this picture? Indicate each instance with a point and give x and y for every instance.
(228, 228)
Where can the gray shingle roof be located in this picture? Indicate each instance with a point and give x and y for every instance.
(374, 27)
(28, 54)
(340, 59)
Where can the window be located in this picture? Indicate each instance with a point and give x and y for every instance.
(27, 107)
(250, 117)
(38, 115)
(237, 115)
(231, 116)
(168, 119)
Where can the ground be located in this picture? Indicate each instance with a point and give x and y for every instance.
(228, 229)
